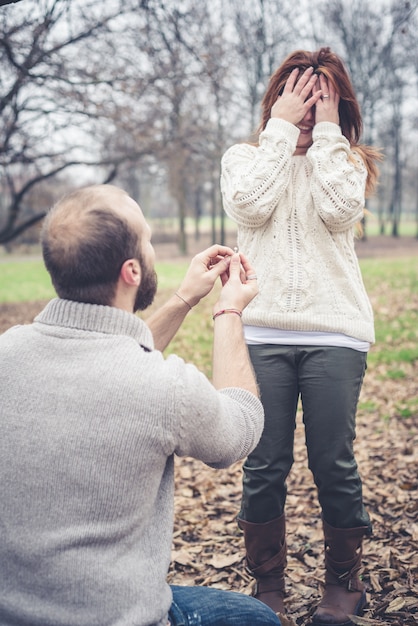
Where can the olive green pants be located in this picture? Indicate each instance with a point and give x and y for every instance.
(328, 381)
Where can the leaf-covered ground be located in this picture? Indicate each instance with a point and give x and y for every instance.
(208, 547)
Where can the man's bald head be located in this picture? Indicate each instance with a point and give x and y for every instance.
(86, 238)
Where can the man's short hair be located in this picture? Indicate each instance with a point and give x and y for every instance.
(85, 242)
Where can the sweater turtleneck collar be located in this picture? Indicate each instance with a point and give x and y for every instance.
(96, 318)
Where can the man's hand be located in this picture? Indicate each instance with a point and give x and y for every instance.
(200, 278)
(203, 271)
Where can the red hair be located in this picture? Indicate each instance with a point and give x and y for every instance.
(326, 62)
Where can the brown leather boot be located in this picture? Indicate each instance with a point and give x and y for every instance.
(265, 546)
(344, 593)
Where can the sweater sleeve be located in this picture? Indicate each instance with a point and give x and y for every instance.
(216, 427)
(253, 178)
(338, 178)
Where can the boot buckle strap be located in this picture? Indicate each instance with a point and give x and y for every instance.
(344, 576)
(265, 585)
(278, 561)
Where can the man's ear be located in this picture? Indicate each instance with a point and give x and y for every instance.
(130, 272)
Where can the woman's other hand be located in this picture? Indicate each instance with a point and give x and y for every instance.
(326, 109)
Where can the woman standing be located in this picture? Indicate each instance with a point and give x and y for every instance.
(297, 197)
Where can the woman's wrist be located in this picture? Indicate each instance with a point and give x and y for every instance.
(226, 311)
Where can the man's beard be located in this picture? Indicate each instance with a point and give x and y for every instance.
(147, 288)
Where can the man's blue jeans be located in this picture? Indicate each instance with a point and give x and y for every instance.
(205, 606)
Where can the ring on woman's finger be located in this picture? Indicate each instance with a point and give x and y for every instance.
(251, 277)
(325, 95)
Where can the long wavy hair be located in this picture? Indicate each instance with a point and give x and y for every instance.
(326, 62)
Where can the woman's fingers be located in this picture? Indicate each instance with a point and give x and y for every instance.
(290, 83)
(327, 106)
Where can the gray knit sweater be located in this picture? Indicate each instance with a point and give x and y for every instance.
(91, 417)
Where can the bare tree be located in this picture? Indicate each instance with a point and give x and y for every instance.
(264, 34)
(409, 138)
(182, 44)
(58, 94)
(370, 36)
(214, 55)
(167, 86)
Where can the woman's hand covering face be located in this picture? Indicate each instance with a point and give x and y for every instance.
(298, 96)
(326, 109)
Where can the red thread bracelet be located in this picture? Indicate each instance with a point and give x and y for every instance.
(236, 311)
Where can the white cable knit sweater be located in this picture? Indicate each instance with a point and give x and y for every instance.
(296, 219)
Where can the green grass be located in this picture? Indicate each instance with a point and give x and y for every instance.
(170, 274)
(368, 407)
(407, 227)
(393, 288)
(26, 280)
(391, 283)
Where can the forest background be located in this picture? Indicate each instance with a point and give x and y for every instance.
(148, 94)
